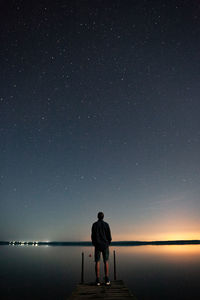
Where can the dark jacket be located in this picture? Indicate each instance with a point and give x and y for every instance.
(101, 236)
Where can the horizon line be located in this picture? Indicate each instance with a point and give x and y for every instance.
(89, 243)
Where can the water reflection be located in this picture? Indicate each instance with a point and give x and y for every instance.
(152, 272)
(160, 272)
(164, 252)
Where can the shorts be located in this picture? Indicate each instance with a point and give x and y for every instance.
(105, 254)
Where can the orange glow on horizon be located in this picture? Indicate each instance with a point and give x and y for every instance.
(158, 237)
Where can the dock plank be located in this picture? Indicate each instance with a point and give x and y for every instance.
(117, 290)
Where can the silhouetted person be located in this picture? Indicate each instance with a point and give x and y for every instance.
(101, 239)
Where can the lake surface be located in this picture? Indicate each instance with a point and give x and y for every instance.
(151, 272)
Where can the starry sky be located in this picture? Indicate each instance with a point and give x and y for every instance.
(99, 111)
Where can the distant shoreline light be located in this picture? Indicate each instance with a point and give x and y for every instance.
(35, 243)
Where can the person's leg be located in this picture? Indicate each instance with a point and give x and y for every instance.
(97, 265)
(97, 269)
(106, 265)
(106, 268)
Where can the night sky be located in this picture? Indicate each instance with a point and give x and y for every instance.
(99, 111)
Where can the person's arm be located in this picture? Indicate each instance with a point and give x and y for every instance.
(93, 235)
(109, 237)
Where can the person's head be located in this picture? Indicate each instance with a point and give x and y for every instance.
(100, 215)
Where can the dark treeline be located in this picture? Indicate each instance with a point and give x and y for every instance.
(117, 243)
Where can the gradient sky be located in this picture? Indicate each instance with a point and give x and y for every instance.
(99, 111)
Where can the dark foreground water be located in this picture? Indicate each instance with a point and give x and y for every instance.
(151, 272)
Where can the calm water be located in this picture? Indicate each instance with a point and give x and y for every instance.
(151, 272)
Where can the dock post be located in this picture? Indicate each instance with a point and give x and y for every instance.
(115, 276)
(82, 268)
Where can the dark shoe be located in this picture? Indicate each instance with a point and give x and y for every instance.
(107, 281)
(97, 282)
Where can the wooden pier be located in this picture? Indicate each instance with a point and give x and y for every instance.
(117, 290)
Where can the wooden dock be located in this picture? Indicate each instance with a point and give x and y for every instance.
(117, 290)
